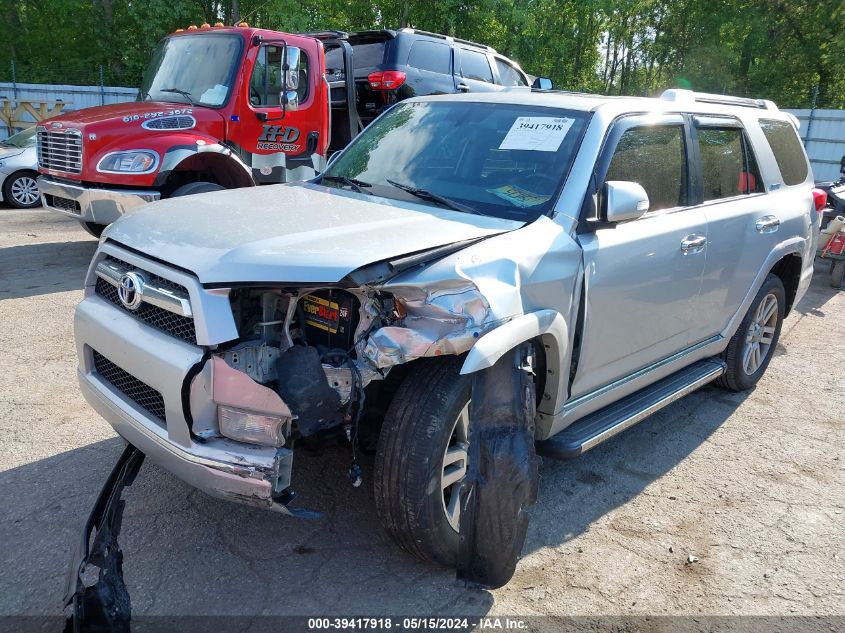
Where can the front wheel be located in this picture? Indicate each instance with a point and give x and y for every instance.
(422, 459)
(196, 187)
(20, 190)
(92, 228)
(751, 347)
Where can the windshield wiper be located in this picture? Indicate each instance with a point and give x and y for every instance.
(433, 197)
(184, 93)
(352, 183)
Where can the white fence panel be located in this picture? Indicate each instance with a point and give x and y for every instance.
(75, 97)
(824, 139)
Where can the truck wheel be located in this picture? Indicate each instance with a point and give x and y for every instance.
(422, 459)
(196, 187)
(20, 190)
(92, 228)
(751, 347)
(837, 273)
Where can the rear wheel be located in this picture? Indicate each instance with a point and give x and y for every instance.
(751, 347)
(837, 273)
(422, 460)
(20, 190)
(196, 187)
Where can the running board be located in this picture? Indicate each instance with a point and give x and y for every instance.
(597, 427)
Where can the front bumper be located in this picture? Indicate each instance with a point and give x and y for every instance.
(253, 475)
(91, 204)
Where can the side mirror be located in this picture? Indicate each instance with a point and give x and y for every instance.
(842, 165)
(542, 83)
(289, 97)
(625, 200)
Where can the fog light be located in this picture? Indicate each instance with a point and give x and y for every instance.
(237, 424)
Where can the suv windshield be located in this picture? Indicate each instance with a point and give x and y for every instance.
(21, 139)
(505, 160)
(192, 69)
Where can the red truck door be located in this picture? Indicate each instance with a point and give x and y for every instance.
(282, 143)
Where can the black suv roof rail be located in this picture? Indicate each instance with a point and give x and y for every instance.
(326, 35)
(449, 38)
(679, 94)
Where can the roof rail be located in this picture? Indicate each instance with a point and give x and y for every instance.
(326, 35)
(681, 95)
(449, 38)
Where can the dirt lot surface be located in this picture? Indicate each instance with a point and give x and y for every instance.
(751, 485)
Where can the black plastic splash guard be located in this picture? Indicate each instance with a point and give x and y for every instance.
(503, 473)
(105, 605)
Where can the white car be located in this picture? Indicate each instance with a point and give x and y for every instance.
(18, 170)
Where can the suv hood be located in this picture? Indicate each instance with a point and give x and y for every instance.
(291, 233)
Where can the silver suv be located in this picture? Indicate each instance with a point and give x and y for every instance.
(631, 249)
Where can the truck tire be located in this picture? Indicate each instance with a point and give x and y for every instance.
(752, 346)
(92, 228)
(429, 415)
(837, 273)
(20, 190)
(196, 187)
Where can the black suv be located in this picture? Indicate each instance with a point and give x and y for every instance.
(390, 66)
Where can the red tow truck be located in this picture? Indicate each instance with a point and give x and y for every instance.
(219, 107)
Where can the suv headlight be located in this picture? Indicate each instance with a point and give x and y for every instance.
(139, 161)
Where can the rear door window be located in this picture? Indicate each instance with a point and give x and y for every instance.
(474, 65)
(656, 158)
(434, 57)
(508, 75)
(786, 146)
(727, 164)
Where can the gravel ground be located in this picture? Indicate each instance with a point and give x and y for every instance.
(752, 485)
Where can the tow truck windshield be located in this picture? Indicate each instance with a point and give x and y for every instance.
(499, 159)
(192, 69)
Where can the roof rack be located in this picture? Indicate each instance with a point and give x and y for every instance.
(449, 38)
(681, 95)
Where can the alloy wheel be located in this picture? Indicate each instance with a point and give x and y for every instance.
(454, 468)
(24, 190)
(761, 332)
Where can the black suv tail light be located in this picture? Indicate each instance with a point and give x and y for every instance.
(386, 79)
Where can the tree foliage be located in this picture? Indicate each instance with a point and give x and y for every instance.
(777, 49)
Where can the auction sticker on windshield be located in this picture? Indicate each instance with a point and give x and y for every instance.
(518, 197)
(537, 133)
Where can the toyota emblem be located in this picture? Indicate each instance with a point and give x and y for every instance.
(131, 290)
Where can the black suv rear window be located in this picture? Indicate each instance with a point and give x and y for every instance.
(786, 147)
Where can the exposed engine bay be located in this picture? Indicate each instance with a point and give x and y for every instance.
(318, 348)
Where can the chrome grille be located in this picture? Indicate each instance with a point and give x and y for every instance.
(179, 122)
(60, 150)
(135, 390)
(176, 325)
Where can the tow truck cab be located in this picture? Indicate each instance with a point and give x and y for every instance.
(219, 107)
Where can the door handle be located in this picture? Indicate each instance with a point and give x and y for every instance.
(463, 87)
(693, 244)
(767, 224)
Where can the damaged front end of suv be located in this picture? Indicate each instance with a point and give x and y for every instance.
(305, 356)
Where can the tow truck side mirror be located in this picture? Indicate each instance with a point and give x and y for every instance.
(625, 200)
(842, 165)
(289, 96)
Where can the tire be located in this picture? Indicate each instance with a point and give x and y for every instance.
(196, 187)
(837, 273)
(93, 228)
(20, 190)
(418, 428)
(744, 367)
